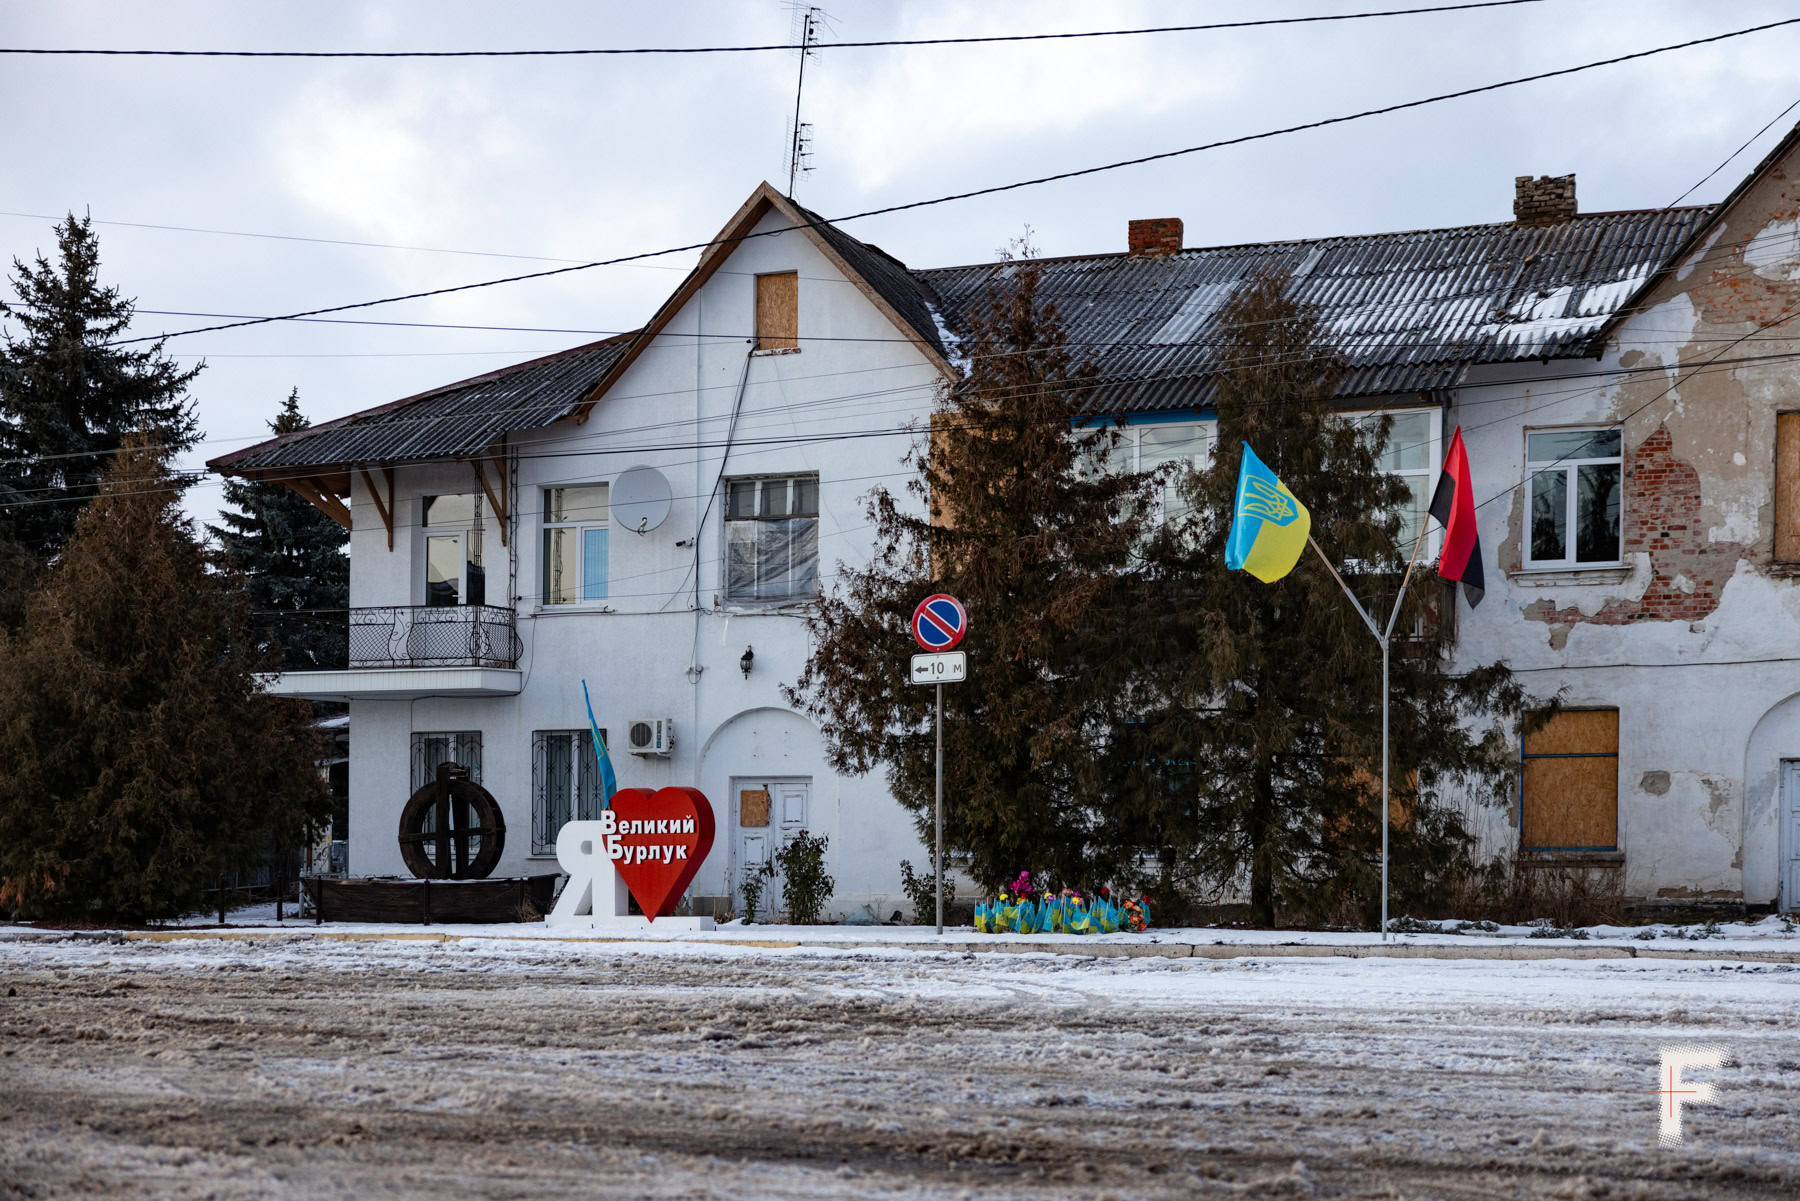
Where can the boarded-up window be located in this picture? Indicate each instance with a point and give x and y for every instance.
(753, 807)
(778, 311)
(1570, 792)
(1787, 487)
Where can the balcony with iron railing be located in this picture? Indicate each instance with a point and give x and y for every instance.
(403, 652)
(433, 636)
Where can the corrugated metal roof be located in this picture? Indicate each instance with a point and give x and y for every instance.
(887, 275)
(464, 418)
(1411, 311)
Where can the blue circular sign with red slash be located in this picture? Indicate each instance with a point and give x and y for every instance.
(939, 622)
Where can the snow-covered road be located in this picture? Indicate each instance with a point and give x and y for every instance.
(304, 1068)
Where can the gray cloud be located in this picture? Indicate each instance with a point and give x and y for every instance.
(590, 158)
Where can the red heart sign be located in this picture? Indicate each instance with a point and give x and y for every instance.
(658, 843)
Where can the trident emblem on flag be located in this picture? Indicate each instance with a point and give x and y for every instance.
(1262, 500)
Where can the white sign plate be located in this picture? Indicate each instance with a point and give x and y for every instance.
(945, 667)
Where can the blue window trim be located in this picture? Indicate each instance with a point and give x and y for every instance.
(1161, 417)
(1564, 755)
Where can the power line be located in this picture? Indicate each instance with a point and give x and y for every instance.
(997, 188)
(743, 446)
(1604, 276)
(1727, 160)
(752, 49)
(1100, 381)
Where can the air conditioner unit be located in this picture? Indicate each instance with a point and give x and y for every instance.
(650, 735)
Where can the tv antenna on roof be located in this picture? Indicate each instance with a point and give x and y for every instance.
(806, 20)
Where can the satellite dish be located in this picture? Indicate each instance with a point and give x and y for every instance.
(640, 499)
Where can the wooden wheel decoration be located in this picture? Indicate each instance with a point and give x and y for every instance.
(452, 828)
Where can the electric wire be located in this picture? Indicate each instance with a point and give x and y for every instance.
(1727, 160)
(771, 443)
(997, 188)
(1598, 277)
(870, 399)
(989, 39)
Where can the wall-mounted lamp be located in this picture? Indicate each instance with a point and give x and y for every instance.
(747, 660)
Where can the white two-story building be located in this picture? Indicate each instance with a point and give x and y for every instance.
(654, 513)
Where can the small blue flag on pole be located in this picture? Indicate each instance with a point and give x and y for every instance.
(609, 783)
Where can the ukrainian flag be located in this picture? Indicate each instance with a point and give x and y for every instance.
(1268, 525)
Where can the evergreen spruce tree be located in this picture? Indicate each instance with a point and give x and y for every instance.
(1248, 749)
(144, 765)
(1035, 544)
(69, 397)
(292, 559)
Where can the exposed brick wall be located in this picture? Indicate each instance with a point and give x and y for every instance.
(1662, 517)
(1546, 200)
(1731, 292)
(1153, 237)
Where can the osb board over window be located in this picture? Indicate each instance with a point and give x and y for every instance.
(753, 807)
(1787, 487)
(1571, 784)
(778, 311)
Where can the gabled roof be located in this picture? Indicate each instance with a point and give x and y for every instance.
(468, 418)
(461, 419)
(882, 279)
(1411, 311)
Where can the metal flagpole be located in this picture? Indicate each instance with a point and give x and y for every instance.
(937, 865)
(1384, 638)
(1387, 797)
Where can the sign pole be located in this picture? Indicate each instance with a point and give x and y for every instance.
(938, 625)
(937, 864)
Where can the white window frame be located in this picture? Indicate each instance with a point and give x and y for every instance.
(727, 521)
(602, 525)
(1128, 455)
(1571, 499)
(1434, 460)
(464, 534)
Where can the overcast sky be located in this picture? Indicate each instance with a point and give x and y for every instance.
(586, 158)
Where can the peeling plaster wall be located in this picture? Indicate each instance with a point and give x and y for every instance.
(1664, 636)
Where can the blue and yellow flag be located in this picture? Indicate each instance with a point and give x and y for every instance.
(1268, 524)
(609, 783)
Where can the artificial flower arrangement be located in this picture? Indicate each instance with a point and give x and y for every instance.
(1022, 908)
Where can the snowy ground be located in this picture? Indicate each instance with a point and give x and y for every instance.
(1774, 933)
(296, 1067)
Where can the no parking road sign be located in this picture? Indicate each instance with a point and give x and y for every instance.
(939, 622)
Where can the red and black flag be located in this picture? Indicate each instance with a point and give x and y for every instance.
(1453, 504)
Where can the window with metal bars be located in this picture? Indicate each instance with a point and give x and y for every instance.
(429, 750)
(565, 784)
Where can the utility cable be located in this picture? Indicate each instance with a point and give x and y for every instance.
(804, 46)
(997, 188)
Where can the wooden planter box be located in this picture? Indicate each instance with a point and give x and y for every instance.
(516, 899)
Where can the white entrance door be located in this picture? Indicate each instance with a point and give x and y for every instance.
(765, 813)
(1790, 835)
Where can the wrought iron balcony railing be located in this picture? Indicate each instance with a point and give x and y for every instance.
(434, 636)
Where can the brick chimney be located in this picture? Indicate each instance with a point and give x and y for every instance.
(1154, 237)
(1546, 200)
